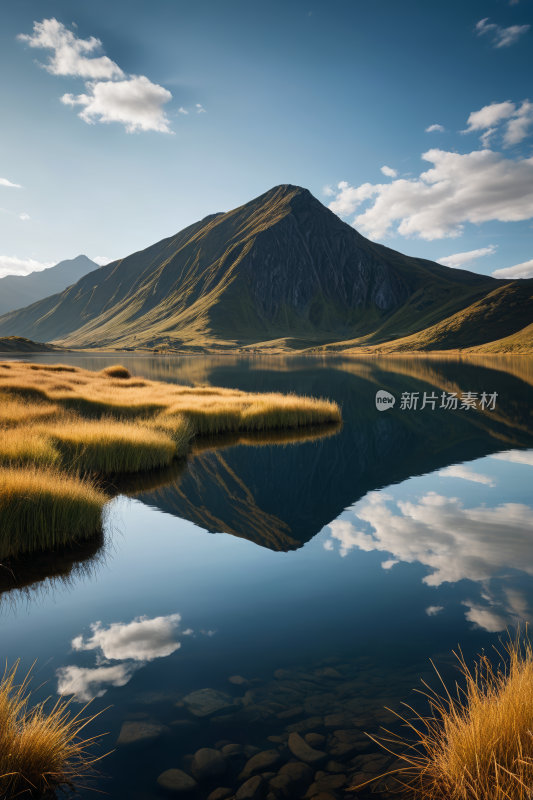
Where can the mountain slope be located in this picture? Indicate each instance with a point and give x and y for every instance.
(17, 291)
(282, 265)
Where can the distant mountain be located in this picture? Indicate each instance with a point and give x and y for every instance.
(281, 272)
(17, 291)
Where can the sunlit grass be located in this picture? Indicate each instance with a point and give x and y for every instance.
(44, 508)
(39, 750)
(478, 746)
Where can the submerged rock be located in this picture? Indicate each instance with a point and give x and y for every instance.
(139, 733)
(300, 775)
(205, 702)
(300, 749)
(315, 740)
(251, 790)
(177, 781)
(261, 762)
(208, 763)
(221, 794)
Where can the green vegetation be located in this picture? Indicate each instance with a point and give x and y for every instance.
(64, 429)
(478, 746)
(39, 750)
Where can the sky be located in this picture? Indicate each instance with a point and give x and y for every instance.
(124, 122)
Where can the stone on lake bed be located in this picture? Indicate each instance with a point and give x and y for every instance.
(300, 774)
(185, 724)
(291, 713)
(305, 725)
(333, 721)
(252, 789)
(281, 785)
(208, 763)
(139, 733)
(205, 702)
(335, 766)
(315, 740)
(177, 781)
(249, 750)
(341, 751)
(232, 750)
(221, 794)
(261, 762)
(300, 749)
(328, 782)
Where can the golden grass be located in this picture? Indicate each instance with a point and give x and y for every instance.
(44, 508)
(480, 745)
(38, 750)
(79, 425)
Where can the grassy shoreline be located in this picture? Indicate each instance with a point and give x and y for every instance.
(65, 429)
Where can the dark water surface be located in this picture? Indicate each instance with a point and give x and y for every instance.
(366, 551)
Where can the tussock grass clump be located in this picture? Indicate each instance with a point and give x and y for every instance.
(116, 371)
(478, 746)
(44, 508)
(26, 446)
(38, 750)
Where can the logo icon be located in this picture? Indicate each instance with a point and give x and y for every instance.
(384, 400)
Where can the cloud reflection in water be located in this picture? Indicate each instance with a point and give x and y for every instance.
(134, 644)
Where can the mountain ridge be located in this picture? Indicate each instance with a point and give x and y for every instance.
(280, 268)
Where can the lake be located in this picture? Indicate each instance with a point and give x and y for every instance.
(347, 558)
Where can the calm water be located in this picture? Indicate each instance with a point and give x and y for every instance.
(368, 550)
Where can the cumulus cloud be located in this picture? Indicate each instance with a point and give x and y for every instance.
(200, 110)
(499, 615)
(389, 563)
(476, 187)
(24, 216)
(389, 172)
(141, 640)
(5, 182)
(137, 103)
(110, 95)
(10, 265)
(516, 456)
(102, 261)
(431, 611)
(70, 53)
(87, 683)
(487, 119)
(503, 37)
(433, 128)
(182, 110)
(464, 259)
(327, 191)
(467, 474)
(523, 270)
(454, 542)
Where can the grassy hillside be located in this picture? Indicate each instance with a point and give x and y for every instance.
(17, 344)
(282, 272)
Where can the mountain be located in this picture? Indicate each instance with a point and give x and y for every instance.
(281, 272)
(17, 291)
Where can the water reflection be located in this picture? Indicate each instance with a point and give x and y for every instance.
(134, 644)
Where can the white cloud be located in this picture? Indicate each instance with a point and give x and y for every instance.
(516, 456)
(136, 103)
(431, 611)
(181, 110)
(467, 474)
(518, 127)
(87, 683)
(523, 270)
(5, 182)
(503, 37)
(70, 53)
(102, 261)
(110, 95)
(10, 265)
(200, 109)
(433, 128)
(475, 187)
(390, 563)
(327, 191)
(454, 542)
(141, 640)
(462, 259)
(488, 118)
(389, 172)
(328, 545)
(24, 216)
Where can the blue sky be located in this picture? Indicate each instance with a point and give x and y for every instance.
(310, 93)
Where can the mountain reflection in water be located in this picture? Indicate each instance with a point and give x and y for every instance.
(280, 489)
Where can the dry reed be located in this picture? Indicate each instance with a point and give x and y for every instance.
(39, 750)
(479, 745)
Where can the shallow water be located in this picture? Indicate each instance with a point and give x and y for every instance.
(370, 549)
